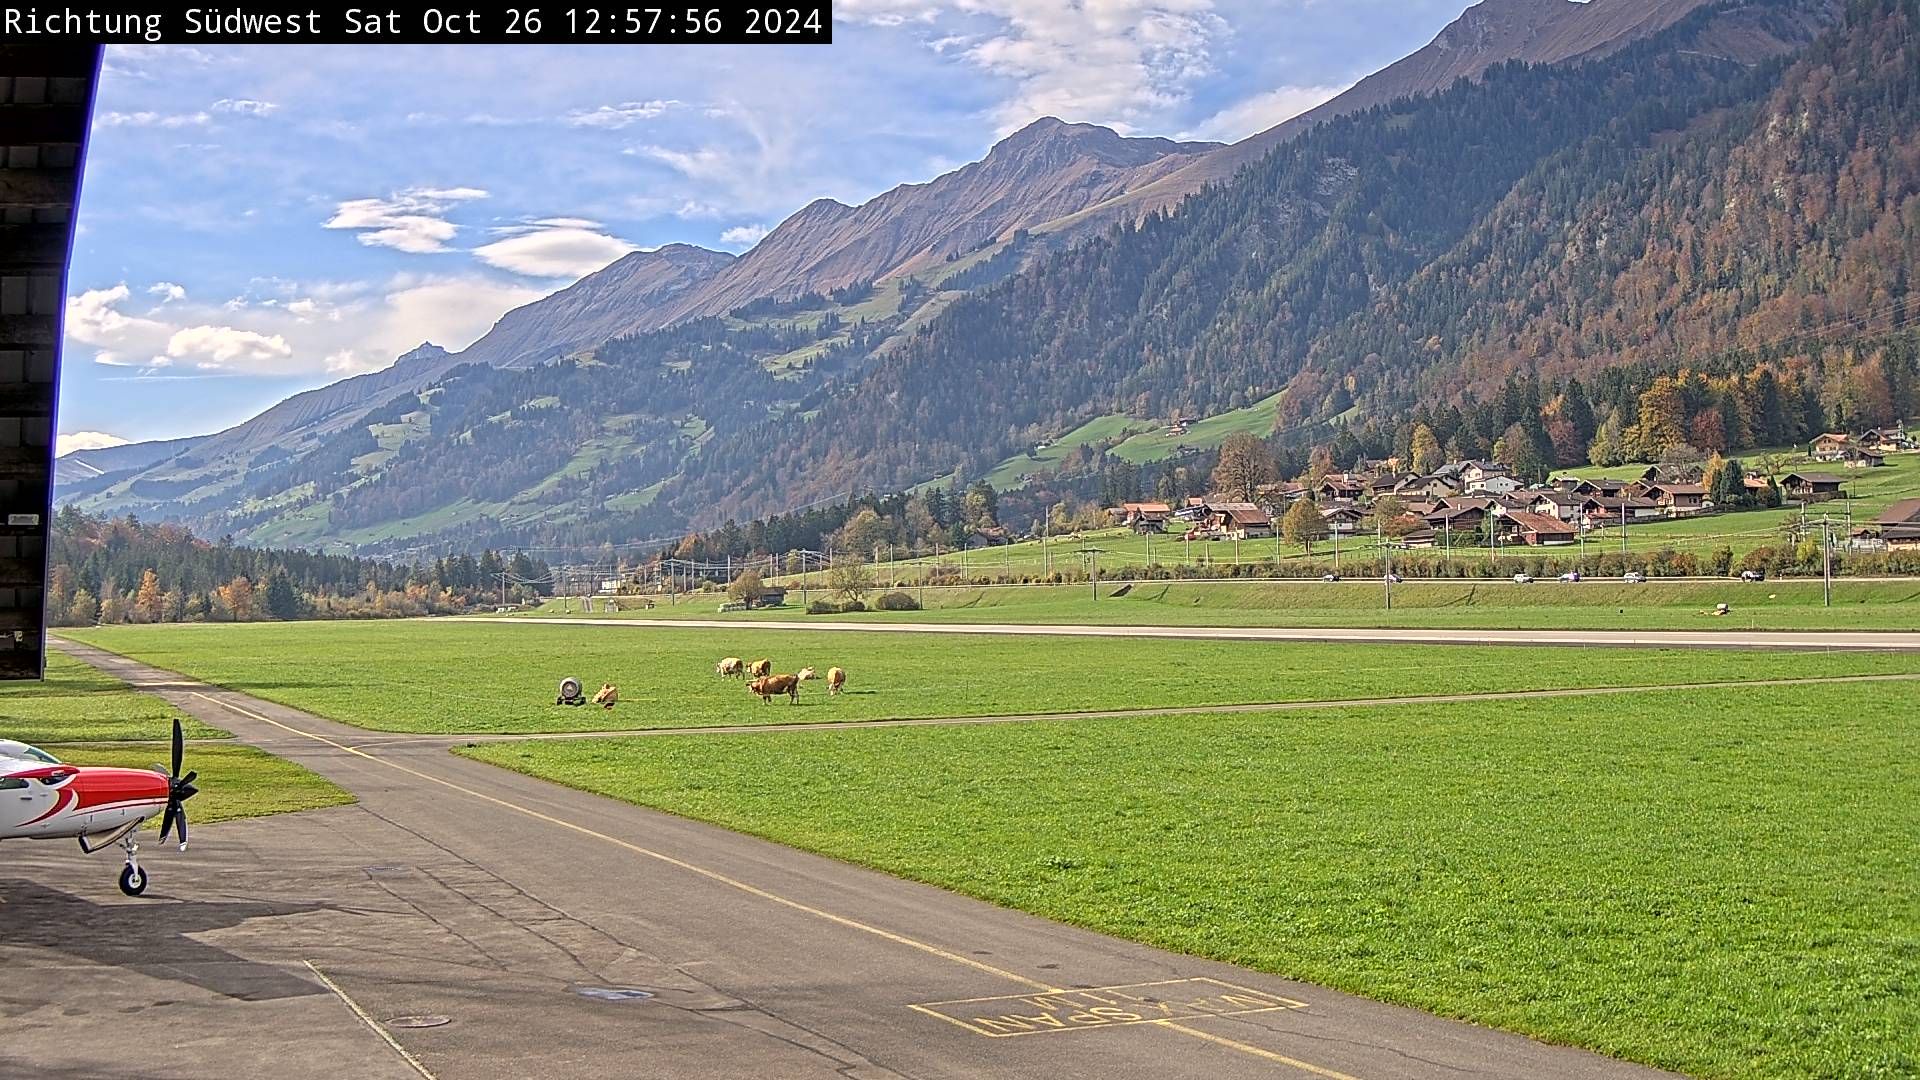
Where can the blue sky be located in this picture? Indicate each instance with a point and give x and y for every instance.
(257, 221)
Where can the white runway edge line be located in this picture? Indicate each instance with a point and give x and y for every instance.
(1889, 641)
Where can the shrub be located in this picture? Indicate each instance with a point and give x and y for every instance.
(896, 601)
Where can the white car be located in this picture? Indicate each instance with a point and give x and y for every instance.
(1523, 579)
(1571, 575)
(1635, 577)
(1393, 579)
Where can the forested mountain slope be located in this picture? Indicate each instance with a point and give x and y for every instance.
(1227, 300)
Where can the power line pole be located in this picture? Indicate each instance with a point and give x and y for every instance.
(1826, 562)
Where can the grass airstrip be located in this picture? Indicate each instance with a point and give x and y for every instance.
(501, 677)
(1594, 604)
(1713, 880)
(85, 717)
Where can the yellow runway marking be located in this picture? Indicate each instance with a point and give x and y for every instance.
(751, 890)
(1007, 1016)
(370, 1021)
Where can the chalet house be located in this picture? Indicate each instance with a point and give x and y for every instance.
(1812, 486)
(1831, 446)
(1145, 516)
(1601, 511)
(1899, 525)
(1282, 494)
(1343, 517)
(1606, 489)
(1238, 520)
(1673, 474)
(1886, 440)
(1431, 486)
(1386, 484)
(1494, 484)
(1456, 515)
(1862, 458)
(1565, 505)
(1678, 500)
(1195, 509)
(1339, 487)
(1539, 530)
(1473, 472)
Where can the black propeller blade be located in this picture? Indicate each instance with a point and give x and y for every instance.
(179, 790)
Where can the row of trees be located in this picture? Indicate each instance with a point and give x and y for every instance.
(119, 570)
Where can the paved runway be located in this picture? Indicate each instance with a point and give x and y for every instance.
(1903, 641)
(562, 934)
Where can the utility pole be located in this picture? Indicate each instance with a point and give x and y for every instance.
(1093, 572)
(1380, 537)
(1336, 549)
(1826, 562)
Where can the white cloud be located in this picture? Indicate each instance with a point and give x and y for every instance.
(94, 318)
(301, 329)
(693, 208)
(224, 346)
(1116, 62)
(626, 113)
(1260, 112)
(152, 119)
(167, 291)
(411, 220)
(566, 223)
(564, 252)
(244, 106)
(744, 236)
(68, 441)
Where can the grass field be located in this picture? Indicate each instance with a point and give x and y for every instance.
(427, 676)
(1483, 605)
(78, 704)
(1724, 888)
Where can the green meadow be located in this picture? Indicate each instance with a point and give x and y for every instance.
(1593, 604)
(501, 677)
(1720, 884)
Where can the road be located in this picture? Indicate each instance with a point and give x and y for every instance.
(1902, 641)
(455, 890)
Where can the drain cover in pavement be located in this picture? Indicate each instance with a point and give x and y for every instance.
(418, 1021)
(613, 993)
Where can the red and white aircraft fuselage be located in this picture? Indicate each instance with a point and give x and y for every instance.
(43, 798)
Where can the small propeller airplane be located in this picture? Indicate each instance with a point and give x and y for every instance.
(42, 798)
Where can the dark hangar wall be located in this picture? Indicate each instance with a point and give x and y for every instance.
(46, 97)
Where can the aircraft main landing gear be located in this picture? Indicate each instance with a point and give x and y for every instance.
(133, 880)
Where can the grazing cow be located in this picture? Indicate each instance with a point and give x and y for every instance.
(759, 669)
(836, 679)
(769, 686)
(731, 667)
(608, 694)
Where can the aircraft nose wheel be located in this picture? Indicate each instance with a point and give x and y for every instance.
(133, 880)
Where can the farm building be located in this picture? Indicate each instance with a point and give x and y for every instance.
(1812, 486)
(1899, 525)
(1539, 530)
(1239, 520)
(1145, 516)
